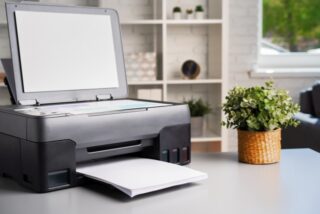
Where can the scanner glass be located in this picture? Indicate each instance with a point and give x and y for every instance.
(63, 51)
(90, 107)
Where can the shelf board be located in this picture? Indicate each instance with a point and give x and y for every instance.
(193, 21)
(141, 22)
(207, 137)
(156, 82)
(172, 21)
(197, 81)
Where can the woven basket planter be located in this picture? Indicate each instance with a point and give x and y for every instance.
(257, 147)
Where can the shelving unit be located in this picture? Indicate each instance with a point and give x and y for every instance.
(147, 26)
(176, 41)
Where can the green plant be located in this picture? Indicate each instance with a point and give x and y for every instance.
(189, 11)
(260, 108)
(198, 108)
(199, 8)
(177, 9)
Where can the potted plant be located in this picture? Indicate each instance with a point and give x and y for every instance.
(198, 109)
(259, 113)
(199, 12)
(189, 13)
(176, 13)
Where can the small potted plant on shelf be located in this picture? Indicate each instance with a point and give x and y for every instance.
(176, 13)
(189, 13)
(259, 113)
(199, 12)
(198, 109)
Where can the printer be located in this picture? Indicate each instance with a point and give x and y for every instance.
(69, 92)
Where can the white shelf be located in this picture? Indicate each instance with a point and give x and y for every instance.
(209, 136)
(142, 22)
(156, 82)
(205, 139)
(177, 82)
(197, 81)
(172, 21)
(193, 21)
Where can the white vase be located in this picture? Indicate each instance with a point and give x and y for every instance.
(177, 15)
(190, 16)
(196, 126)
(199, 15)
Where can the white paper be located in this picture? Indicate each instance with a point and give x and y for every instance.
(135, 176)
(60, 51)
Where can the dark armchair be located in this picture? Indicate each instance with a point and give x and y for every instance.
(307, 134)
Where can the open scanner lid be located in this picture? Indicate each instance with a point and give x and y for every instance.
(64, 54)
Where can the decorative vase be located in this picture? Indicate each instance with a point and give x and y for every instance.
(259, 147)
(196, 126)
(177, 15)
(199, 15)
(190, 69)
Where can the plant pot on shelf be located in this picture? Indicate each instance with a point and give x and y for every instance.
(259, 147)
(199, 15)
(190, 16)
(177, 15)
(198, 109)
(189, 13)
(196, 126)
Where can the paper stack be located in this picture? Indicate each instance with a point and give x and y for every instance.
(135, 176)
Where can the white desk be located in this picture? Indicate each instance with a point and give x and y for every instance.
(293, 186)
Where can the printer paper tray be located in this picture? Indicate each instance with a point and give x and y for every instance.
(135, 176)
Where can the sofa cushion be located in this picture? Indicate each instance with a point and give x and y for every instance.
(306, 103)
(316, 98)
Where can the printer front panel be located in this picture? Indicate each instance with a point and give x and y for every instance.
(128, 132)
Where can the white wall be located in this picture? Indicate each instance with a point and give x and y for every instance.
(244, 33)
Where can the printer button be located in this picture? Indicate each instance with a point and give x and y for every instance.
(175, 156)
(165, 155)
(184, 154)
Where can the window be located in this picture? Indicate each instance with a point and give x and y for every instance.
(291, 26)
(290, 37)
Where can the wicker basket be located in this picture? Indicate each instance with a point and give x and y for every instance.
(259, 147)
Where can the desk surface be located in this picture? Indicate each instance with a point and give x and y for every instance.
(292, 186)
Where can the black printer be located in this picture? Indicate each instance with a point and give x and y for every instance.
(69, 92)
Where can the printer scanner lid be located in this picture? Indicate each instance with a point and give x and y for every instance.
(64, 54)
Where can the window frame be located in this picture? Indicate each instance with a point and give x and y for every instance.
(297, 64)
